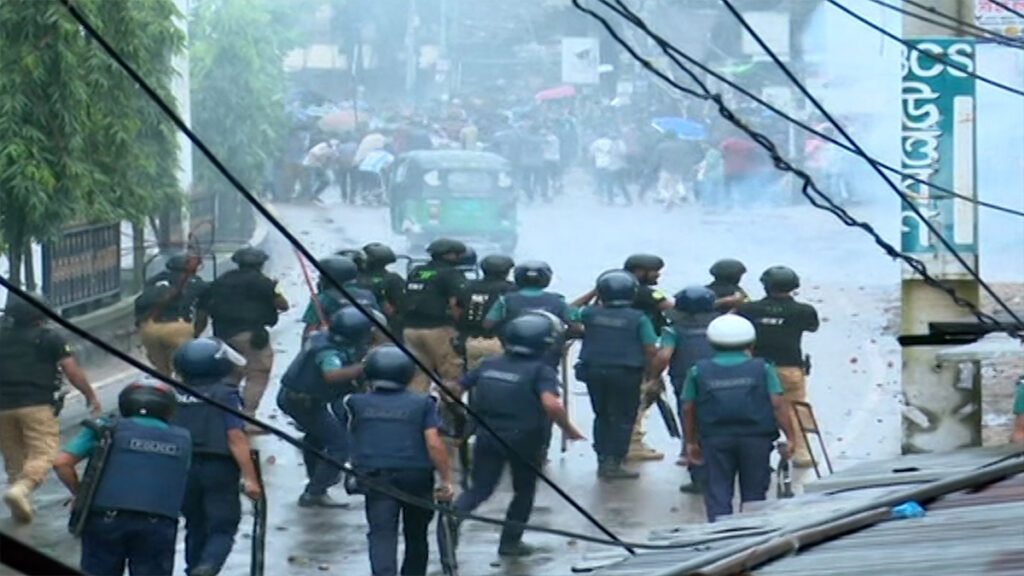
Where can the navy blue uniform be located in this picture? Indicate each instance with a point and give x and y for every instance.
(506, 392)
(212, 506)
(387, 443)
(687, 336)
(133, 518)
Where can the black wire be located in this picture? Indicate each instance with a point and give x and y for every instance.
(371, 482)
(828, 116)
(809, 185)
(910, 46)
(672, 52)
(957, 25)
(1008, 8)
(382, 326)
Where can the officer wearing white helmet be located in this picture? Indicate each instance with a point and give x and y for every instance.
(733, 410)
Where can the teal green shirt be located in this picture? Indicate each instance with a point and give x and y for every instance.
(330, 360)
(497, 312)
(647, 334)
(81, 445)
(1018, 403)
(730, 359)
(327, 303)
(668, 338)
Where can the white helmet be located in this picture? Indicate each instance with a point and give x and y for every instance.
(731, 331)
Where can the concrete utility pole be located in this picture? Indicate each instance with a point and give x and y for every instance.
(943, 410)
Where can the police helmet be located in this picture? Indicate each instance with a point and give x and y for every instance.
(351, 325)
(496, 266)
(444, 246)
(177, 262)
(206, 359)
(695, 300)
(341, 269)
(21, 311)
(152, 399)
(728, 269)
(249, 257)
(531, 334)
(731, 331)
(533, 274)
(468, 258)
(379, 255)
(643, 262)
(388, 367)
(617, 288)
(780, 279)
(355, 255)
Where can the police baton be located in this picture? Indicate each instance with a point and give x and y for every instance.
(259, 520)
(446, 535)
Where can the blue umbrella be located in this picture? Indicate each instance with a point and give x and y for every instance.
(684, 129)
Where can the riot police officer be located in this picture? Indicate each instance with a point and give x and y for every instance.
(726, 275)
(475, 301)
(388, 287)
(32, 358)
(618, 348)
(242, 303)
(345, 272)
(517, 395)
(431, 311)
(733, 408)
(164, 310)
(324, 370)
(132, 516)
(395, 441)
(683, 342)
(653, 303)
(220, 455)
(780, 322)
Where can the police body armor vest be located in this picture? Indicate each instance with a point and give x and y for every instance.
(146, 470)
(387, 430)
(423, 298)
(483, 294)
(517, 304)
(612, 338)
(21, 363)
(505, 397)
(376, 283)
(691, 342)
(205, 421)
(337, 301)
(303, 374)
(734, 400)
(243, 297)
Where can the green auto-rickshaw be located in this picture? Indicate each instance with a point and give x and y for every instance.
(457, 194)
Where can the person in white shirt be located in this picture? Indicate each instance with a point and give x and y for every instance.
(609, 155)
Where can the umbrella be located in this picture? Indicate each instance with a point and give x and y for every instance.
(376, 161)
(684, 129)
(555, 93)
(340, 121)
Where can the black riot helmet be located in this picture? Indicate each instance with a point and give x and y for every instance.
(643, 263)
(249, 257)
(496, 266)
(695, 300)
(22, 312)
(177, 262)
(533, 274)
(354, 254)
(468, 258)
(531, 334)
(341, 269)
(155, 400)
(779, 279)
(617, 288)
(442, 247)
(350, 325)
(379, 255)
(388, 368)
(206, 359)
(728, 270)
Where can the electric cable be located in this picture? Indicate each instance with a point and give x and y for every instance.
(939, 59)
(1008, 8)
(828, 116)
(956, 24)
(101, 40)
(369, 482)
(822, 201)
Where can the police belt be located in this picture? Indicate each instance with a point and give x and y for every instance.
(114, 512)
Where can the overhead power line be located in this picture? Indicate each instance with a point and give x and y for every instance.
(1008, 8)
(954, 24)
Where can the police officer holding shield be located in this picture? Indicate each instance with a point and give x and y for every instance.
(475, 301)
(395, 441)
(516, 394)
(324, 370)
(220, 455)
(132, 511)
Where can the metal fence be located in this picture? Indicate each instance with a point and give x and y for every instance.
(82, 268)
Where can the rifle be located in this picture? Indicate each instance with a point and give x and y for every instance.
(259, 521)
(93, 475)
(446, 535)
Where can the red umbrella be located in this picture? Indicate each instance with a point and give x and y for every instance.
(340, 121)
(555, 93)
